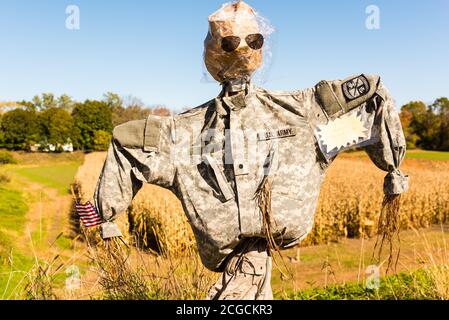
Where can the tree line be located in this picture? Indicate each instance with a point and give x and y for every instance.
(426, 126)
(48, 120)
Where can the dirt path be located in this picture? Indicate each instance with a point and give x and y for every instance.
(46, 219)
(46, 237)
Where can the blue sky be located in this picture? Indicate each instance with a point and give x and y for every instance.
(153, 49)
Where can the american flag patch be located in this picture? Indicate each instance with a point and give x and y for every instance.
(88, 215)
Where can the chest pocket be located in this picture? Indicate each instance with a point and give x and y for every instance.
(215, 177)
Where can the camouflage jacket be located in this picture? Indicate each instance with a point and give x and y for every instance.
(215, 157)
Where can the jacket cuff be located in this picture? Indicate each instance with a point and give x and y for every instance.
(395, 183)
(109, 230)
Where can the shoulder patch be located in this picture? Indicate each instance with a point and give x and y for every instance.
(341, 96)
(356, 87)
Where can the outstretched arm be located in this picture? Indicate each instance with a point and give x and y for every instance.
(139, 153)
(389, 147)
(359, 112)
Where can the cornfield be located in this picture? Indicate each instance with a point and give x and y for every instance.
(351, 198)
(349, 204)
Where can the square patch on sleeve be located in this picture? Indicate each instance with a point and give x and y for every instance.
(356, 88)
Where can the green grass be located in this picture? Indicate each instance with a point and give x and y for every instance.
(403, 286)
(64, 243)
(427, 155)
(411, 154)
(58, 176)
(55, 171)
(12, 210)
(12, 220)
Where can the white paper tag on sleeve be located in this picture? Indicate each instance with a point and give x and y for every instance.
(341, 134)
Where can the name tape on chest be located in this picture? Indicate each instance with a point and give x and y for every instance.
(276, 134)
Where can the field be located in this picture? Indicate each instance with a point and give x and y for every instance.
(34, 224)
(40, 242)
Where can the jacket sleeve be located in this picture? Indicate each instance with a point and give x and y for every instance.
(140, 152)
(359, 112)
(389, 146)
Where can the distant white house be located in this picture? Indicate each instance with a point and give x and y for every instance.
(48, 147)
(68, 147)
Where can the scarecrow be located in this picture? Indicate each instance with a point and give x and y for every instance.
(247, 166)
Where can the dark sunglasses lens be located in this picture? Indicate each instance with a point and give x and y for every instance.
(255, 41)
(230, 43)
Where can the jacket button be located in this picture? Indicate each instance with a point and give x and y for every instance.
(241, 166)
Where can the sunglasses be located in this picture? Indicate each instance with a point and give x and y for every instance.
(231, 43)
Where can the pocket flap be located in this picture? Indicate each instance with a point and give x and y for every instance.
(219, 175)
(254, 266)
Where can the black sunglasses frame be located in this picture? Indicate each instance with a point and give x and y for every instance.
(231, 43)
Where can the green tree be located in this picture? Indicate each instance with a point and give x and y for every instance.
(112, 100)
(20, 129)
(121, 115)
(2, 135)
(125, 109)
(115, 103)
(440, 109)
(89, 117)
(55, 126)
(418, 124)
(102, 139)
(406, 119)
(427, 126)
(37, 102)
(65, 102)
(49, 101)
(28, 105)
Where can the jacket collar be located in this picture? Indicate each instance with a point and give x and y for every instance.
(236, 85)
(242, 91)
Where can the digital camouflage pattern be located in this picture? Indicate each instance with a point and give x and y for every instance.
(215, 157)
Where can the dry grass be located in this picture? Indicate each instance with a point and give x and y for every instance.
(435, 261)
(39, 158)
(131, 274)
(120, 273)
(39, 284)
(114, 271)
(115, 275)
